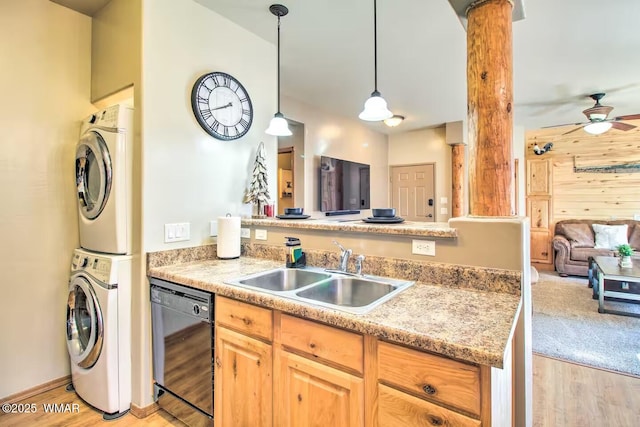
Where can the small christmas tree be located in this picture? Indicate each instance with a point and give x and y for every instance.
(258, 191)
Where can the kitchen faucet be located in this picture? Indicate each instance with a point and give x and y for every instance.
(344, 256)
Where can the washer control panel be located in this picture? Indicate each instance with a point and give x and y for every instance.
(97, 266)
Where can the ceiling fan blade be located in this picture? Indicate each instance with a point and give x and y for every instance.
(628, 117)
(573, 130)
(566, 124)
(622, 126)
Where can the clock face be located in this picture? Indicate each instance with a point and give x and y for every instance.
(222, 106)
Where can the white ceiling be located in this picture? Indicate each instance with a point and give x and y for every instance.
(563, 51)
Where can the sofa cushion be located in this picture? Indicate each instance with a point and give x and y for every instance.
(583, 254)
(634, 238)
(579, 235)
(610, 236)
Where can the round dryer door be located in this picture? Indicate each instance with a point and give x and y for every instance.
(93, 174)
(85, 330)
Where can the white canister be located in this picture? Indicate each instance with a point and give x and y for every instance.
(228, 237)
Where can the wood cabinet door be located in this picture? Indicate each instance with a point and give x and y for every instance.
(539, 211)
(538, 178)
(243, 381)
(310, 394)
(541, 247)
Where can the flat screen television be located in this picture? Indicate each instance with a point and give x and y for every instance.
(344, 185)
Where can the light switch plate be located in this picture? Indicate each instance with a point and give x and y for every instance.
(213, 228)
(177, 232)
(260, 234)
(245, 233)
(423, 247)
(444, 211)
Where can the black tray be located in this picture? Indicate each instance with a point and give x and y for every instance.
(293, 216)
(381, 220)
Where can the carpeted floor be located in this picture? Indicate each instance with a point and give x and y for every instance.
(567, 325)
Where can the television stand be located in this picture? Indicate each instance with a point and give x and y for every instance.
(344, 212)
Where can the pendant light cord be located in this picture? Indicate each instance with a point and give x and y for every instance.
(278, 63)
(375, 47)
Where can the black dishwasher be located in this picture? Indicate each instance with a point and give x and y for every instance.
(182, 333)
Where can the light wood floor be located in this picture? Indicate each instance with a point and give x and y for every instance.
(564, 395)
(570, 395)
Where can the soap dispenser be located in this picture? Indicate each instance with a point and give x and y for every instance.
(295, 257)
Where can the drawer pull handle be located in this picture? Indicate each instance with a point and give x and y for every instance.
(436, 421)
(428, 389)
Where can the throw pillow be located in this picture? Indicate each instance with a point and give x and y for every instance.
(634, 239)
(610, 236)
(579, 235)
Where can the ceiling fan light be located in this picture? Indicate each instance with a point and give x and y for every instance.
(278, 126)
(597, 128)
(596, 116)
(375, 109)
(393, 121)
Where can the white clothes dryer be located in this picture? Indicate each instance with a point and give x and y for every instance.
(99, 330)
(103, 180)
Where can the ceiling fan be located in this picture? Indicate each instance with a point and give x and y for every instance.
(598, 122)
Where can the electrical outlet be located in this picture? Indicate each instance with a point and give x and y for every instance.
(245, 233)
(177, 232)
(261, 235)
(213, 228)
(636, 217)
(423, 247)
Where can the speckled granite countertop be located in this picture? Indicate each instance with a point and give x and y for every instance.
(409, 228)
(465, 324)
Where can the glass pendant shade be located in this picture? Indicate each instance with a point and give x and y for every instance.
(278, 126)
(597, 128)
(375, 108)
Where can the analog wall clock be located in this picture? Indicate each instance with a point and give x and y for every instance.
(222, 106)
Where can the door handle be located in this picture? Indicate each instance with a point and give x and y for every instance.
(430, 216)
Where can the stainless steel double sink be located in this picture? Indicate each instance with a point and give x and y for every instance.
(340, 291)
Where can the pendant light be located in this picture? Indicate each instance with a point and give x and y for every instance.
(375, 108)
(278, 125)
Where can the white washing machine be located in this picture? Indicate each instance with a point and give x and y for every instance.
(103, 180)
(99, 330)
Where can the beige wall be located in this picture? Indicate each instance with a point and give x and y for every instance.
(115, 47)
(45, 83)
(426, 146)
(469, 248)
(342, 137)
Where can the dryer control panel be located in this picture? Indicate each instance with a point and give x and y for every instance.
(119, 116)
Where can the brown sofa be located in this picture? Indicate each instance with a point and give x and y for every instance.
(574, 242)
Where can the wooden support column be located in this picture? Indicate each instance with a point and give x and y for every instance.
(489, 104)
(457, 180)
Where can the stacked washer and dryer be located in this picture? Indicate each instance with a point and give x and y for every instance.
(99, 301)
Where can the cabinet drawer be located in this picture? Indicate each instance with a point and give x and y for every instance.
(400, 409)
(246, 318)
(321, 341)
(432, 377)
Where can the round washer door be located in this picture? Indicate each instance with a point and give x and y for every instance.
(93, 174)
(85, 329)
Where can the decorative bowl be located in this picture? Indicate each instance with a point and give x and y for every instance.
(384, 212)
(293, 211)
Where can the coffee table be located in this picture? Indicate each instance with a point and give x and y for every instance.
(616, 282)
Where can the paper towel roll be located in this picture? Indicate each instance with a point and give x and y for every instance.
(228, 237)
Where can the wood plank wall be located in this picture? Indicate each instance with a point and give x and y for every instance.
(585, 194)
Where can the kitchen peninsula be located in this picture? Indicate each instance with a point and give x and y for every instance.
(445, 350)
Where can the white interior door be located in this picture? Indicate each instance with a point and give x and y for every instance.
(413, 192)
